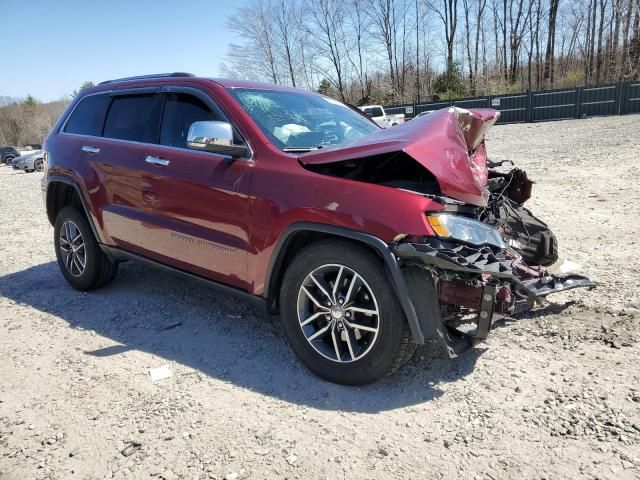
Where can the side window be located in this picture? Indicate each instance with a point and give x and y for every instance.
(88, 117)
(134, 117)
(180, 111)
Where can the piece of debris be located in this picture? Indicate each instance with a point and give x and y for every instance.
(231, 476)
(292, 459)
(160, 373)
(171, 326)
(75, 452)
(130, 449)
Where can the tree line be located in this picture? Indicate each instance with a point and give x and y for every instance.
(28, 121)
(397, 51)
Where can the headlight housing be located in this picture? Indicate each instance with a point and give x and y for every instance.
(461, 228)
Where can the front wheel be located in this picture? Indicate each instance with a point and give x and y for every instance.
(39, 165)
(341, 315)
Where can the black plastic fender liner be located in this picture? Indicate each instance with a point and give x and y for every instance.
(397, 279)
(424, 296)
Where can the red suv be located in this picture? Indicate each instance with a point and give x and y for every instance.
(366, 241)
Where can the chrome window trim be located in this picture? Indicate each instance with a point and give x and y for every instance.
(143, 144)
(200, 94)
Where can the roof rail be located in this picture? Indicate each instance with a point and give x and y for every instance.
(145, 77)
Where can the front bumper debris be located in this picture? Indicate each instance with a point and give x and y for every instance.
(486, 280)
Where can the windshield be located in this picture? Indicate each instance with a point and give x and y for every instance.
(373, 111)
(300, 122)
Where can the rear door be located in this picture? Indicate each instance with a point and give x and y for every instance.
(113, 163)
(196, 203)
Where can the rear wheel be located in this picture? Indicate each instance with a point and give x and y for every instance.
(340, 315)
(9, 159)
(82, 263)
(39, 165)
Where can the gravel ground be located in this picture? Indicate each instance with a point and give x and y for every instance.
(554, 395)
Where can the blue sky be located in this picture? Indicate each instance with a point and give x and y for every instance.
(53, 46)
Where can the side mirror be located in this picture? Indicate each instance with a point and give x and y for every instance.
(215, 137)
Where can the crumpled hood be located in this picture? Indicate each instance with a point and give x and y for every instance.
(441, 142)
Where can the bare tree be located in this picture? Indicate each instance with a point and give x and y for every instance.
(447, 10)
(284, 20)
(549, 58)
(383, 12)
(326, 27)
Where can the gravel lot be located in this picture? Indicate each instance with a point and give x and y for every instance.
(554, 395)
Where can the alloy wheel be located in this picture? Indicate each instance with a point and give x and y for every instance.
(72, 248)
(338, 313)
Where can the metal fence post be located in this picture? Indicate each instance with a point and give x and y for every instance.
(529, 106)
(578, 101)
(619, 97)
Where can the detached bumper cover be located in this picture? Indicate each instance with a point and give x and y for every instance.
(541, 287)
(485, 279)
(488, 261)
(457, 257)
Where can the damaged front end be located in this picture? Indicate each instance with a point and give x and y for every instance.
(486, 261)
(472, 285)
(486, 255)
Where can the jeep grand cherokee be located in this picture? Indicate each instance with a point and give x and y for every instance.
(366, 241)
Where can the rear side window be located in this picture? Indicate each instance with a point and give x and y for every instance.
(180, 111)
(134, 117)
(88, 117)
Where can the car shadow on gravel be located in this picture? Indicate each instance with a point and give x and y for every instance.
(186, 321)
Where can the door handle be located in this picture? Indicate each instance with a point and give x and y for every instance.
(157, 161)
(90, 149)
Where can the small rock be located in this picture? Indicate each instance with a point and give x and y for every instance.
(447, 444)
(231, 476)
(292, 459)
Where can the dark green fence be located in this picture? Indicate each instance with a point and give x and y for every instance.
(615, 99)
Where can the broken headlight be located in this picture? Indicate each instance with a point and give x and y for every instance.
(465, 229)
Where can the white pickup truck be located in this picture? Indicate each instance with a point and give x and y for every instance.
(378, 115)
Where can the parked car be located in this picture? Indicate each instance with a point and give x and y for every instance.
(7, 154)
(378, 115)
(366, 241)
(31, 162)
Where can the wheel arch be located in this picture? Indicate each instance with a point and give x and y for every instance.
(62, 191)
(299, 235)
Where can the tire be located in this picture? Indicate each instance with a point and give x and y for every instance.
(97, 270)
(353, 356)
(39, 165)
(8, 160)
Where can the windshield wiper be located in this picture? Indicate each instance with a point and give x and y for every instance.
(301, 149)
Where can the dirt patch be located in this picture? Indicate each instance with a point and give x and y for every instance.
(552, 395)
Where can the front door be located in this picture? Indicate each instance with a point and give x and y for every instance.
(196, 203)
